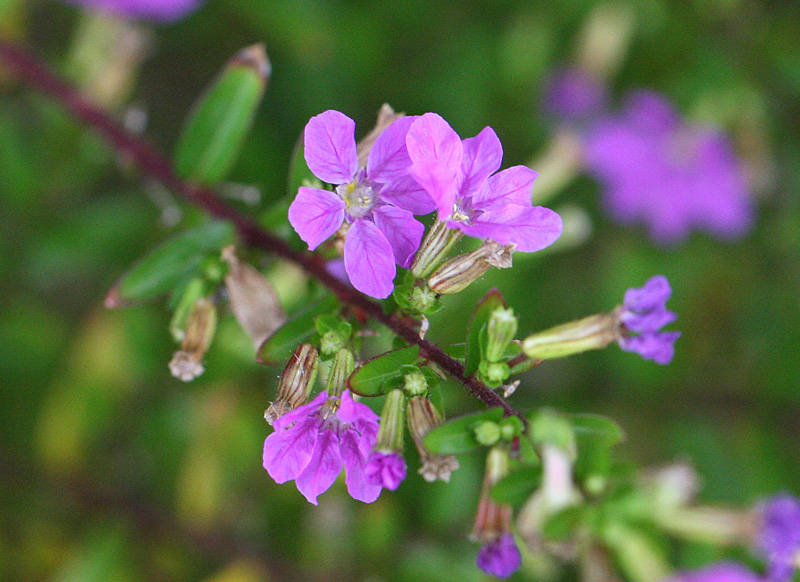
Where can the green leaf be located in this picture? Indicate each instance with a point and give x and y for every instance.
(518, 486)
(220, 121)
(371, 377)
(477, 323)
(597, 427)
(277, 348)
(171, 263)
(595, 435)
(456, 436)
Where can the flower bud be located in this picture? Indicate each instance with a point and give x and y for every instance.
(422, 418)
(415, 383)
(494, 373)
(252, 298)
(500, 330)
(386, 466)
(422, 299)
(487, 433)
(343, 365)
(433, 250)
(499, 555)
(459, 273)
(187, 363)
(590, 333)
(296, 382)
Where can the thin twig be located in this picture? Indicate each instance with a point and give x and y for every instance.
(151, 161)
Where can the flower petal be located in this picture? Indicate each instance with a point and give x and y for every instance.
(501, 557)
(316, 214)
(531, 229)
(323, 468)
(288, 452)
(354, 463)
(436, 152)
(369, 260)
(652, 295)
(511, 186)
(403, 232)
(482, 157)
(406, 193)
(388, 159)
(330, 147)
(385, 469)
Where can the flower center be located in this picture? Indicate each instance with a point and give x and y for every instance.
(358, 195)
(461, 212)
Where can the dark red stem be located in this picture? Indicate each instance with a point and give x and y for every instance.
(154, 163)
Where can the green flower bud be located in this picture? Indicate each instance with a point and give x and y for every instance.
(416, 384)
(343, 365)
(393, 420)
(422, 299)
(487, 433)
(495, 373)
(500, 330)
(590, 333)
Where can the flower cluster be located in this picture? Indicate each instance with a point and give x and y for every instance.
(668, 174)
(160, 10)
(416, 165)
(644, 313)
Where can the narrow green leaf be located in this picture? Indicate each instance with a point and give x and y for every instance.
(597, 427)
(518, 486)
(456, 435)
(477, 323)
(220, 121)
(170, 263)
(371, 377)
(277, 348)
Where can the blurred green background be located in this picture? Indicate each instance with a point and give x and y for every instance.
(110, 469)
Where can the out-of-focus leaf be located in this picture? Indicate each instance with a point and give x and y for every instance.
(639, 555)
(456, 436)
(595, 435)
(215, 131)
(597, 427)
(277, 348)
(170, 263)
(516, 487)
(491, 301)
(370, 378)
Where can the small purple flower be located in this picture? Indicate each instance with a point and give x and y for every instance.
(779, 536)
(311, 443)
(460, 177)
(573, 95)
(666, 173)
(378, 202)
(644, 313)
(386, 469)
(501, 557)
(724, 572)
(161, 10)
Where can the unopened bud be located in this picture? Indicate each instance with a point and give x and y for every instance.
(433, 250)
(493, 519)
(331, 342)
(422, 299)
(494, 373)
(296, 382)
(343, 365)
(500, 330)
(187, 363)
(487, 433)
(590, 333)
(253, 299)
(393, 420)
(459, 273)
(422, 418)
(415, 383)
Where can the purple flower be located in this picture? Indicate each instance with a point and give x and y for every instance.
(644, 313)
(573, 95)
(386, 469)
(670, 175)
(501, 557)
(460, 177)
(779, 536)
(162, 10)
(311, 443)
(724, 572)
(377, 202)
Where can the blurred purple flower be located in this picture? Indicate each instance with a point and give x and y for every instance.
(779, 536)
(377, 202)
(572, 95)
(311, 443)
(161, 10)
(724, 572)
(501, 557)
(460, 177)
(386, 469)
(670, 175)
(644, 313)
